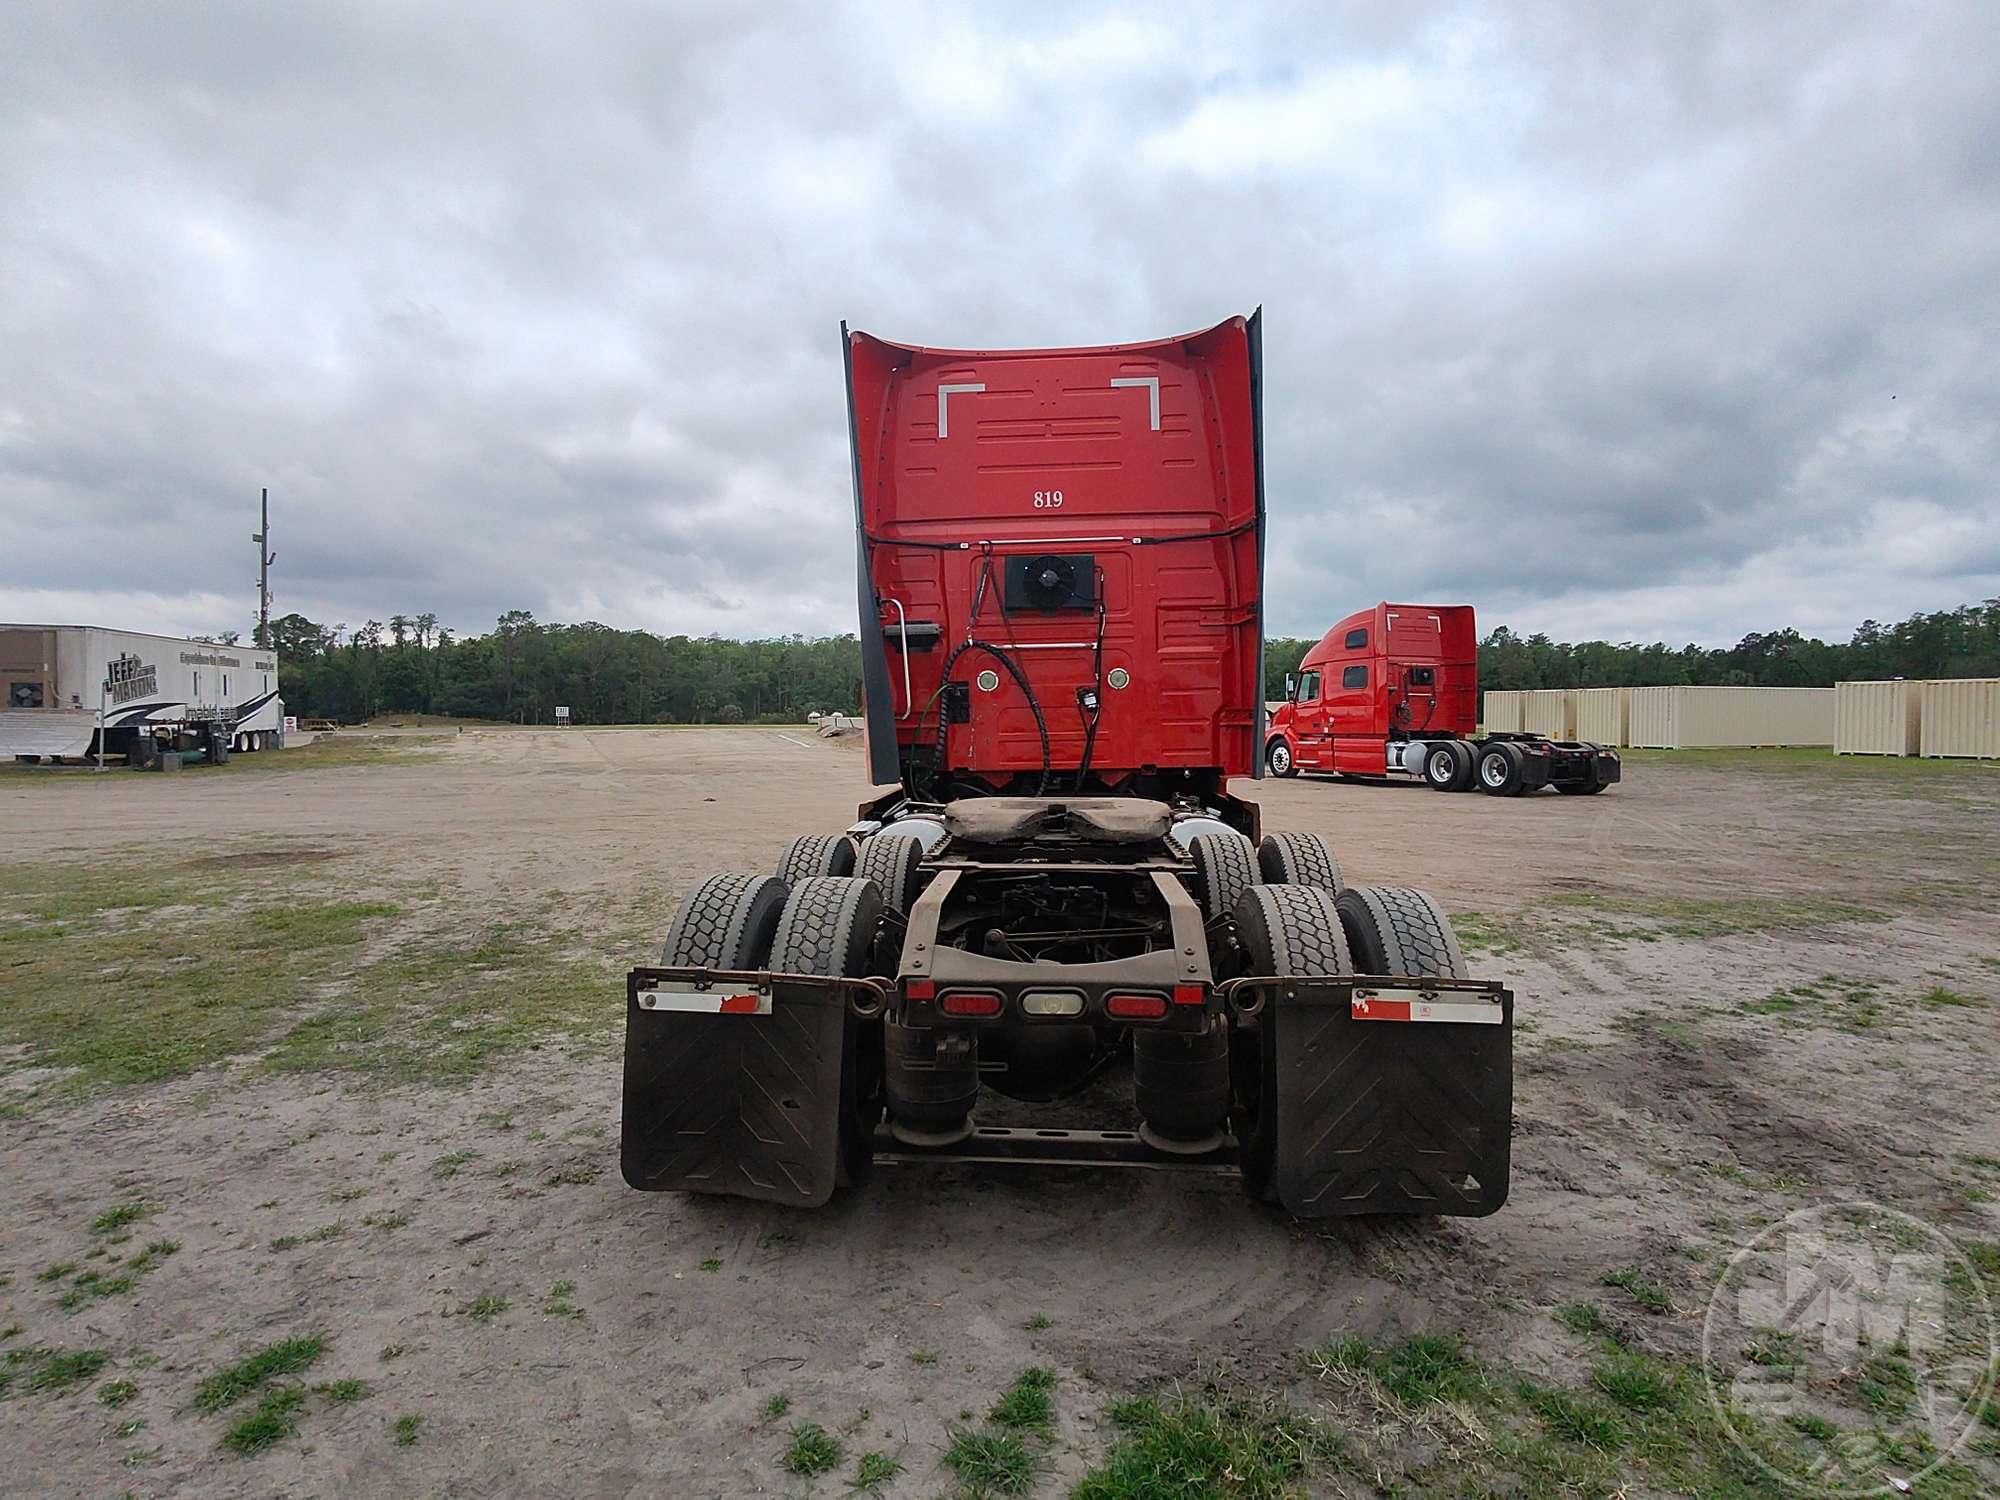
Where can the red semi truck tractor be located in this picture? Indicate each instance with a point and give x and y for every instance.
(1394, 691)
(1053, 890)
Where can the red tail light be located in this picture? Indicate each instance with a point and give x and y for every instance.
(1135, 1007)
(1190, 994)
(973, 1003)
(919, 989)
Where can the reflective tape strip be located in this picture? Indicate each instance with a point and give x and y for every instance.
(696, 1002)
(1417, 1005)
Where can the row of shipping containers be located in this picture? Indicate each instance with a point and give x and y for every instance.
(1957, 717)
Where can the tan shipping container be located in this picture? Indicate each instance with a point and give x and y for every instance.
(1500, 713)
(1602, 715)
(1877, 718)
(1715, 718)
(1549, 712)
(1961, 717)
(1650, 717)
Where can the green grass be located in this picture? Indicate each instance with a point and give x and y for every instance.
(1635, 1381)
(1038, 1323)
(923, 1357)
(124, 982)
(1580, 1317)
(774, 1407)
(275, 1418)
(286, 1357)
(58, 1370)
(993, 1463)
(346, 1392)
(711, 1265)
(115, 1393)
(1648, 1294)
(407, 1427)
(452, 1163)
(1028, 1405)
(1574, 1419)
(1429, 1367)
(560, 1303)
(484, 1309)
(119, 1217)
(1207, 1444)
(873, 1470)
(812, 1451)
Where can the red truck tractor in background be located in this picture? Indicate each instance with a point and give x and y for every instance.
(1394, 690)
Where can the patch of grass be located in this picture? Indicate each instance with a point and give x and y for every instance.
(1886, 1383)
(1580, 1317)
(275, 1418)
(115, 1393)
(346, 1392)
(94, 1286)
(452, 1163)
(486, 1308)
(924, 1357)
(1429, 1367)
(574, 1175)
(774, 1407)
(711, 1265)
(391, 1351)
(119, 1216)
(1575, 1420)
(55, 1272)
(154, 1252)
(1038, 1323)
(1937, 997)
(559, 1303)
(1208, 1444)
(58, 1370)
(812, 1451)
(1479, 932)
(1814, 1426)
(1648, 1294)
(285, 1242)
(394, 1219)
(873, 1470)
(993, 1463)
(1635, 1381)
(230, 1385)
(1349, 1353)
(406, 1429)
(1028, 1404)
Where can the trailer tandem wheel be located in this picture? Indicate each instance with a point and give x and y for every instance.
(1225, 865)
(891, 861)
(1298, 859)
(828, 928)
(816, 854)
(743, 1104)
(1501, 770)
(1293, 931)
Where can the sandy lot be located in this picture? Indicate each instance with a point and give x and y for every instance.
(353, 1156)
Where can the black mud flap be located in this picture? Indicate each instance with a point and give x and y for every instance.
(1384, 1117)
(743, 1105)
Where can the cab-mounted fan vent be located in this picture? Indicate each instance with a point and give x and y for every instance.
(1052, 581)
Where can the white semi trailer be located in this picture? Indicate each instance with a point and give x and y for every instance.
(150, 693)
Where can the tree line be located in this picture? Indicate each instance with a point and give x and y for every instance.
(522, 669)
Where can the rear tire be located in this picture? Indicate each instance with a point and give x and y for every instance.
(828, 927)
(1500, 768)
(1278, 758)
(1293, 931)
(1395, 930)
(891, 861)
(1224, 867)
(1298, 859)
(726, 922)
(816, 854)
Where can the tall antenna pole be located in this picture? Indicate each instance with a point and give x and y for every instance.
(265, 557)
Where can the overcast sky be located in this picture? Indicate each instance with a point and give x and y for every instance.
(1617, 321)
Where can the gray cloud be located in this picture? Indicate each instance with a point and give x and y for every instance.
(1617, 321)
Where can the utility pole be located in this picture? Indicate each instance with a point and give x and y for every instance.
(265, 557)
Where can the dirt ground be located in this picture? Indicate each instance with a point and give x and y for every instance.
(1675, 1087)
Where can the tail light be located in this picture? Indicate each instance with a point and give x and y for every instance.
(1135, 1007)
(919, 989)
(1190, 994)
(973, 1004)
